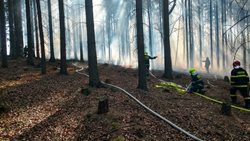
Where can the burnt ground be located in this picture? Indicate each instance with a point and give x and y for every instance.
(52, 107)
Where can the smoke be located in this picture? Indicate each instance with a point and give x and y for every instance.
(115, 32)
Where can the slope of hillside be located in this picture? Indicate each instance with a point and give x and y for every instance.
(52, 107)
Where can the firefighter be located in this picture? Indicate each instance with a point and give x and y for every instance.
(197, 84)
(146, 60)
(239, 81)
(207, 64)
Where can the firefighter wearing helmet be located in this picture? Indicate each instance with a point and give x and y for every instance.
(239, 82)
(146, 60)
(197, 83)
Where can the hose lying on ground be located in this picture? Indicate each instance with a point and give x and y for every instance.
(182, 90)
(144, 106)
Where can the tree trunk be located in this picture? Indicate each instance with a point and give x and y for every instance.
(18, 28)
(140, 47)
(43, 61)
(13, 53)
(211, 32)
(167, 52)
(200, 14)
(32, 27)
(80, 37)
(223, 17)
(191, 38)
(187, 31)
(244, 50)
(52, 56)
(217, 34)
(36, 31)
(94, 80)
(150, 29)
(184, 29)
(29, 35)
(3, 35)
(248, 39)
(63, 65)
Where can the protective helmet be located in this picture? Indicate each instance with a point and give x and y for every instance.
(236, 63)
(192, 70)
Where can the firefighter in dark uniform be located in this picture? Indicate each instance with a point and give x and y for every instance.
(239, 81)
(197, 84)
(146, 60)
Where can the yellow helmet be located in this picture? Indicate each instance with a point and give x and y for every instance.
(192, 70)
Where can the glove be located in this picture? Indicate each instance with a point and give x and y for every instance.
(155, 57)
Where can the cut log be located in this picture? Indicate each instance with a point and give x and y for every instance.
(103, 105)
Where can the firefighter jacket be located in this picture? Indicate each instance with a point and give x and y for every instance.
(239, 78)
(197, 81)
(146, 59)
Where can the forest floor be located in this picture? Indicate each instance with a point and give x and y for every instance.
(52, 107)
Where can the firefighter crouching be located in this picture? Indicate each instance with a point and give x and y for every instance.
(197, 84)
(239, 81)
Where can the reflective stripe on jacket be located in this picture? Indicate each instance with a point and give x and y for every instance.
(239, 78)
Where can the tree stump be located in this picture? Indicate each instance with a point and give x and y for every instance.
(103, 105)
(3, 109)
(85, 91)
(226, 79)
(226, 109)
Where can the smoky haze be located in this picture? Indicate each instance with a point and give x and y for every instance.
(196, 32)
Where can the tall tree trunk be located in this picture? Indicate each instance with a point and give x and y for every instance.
(94, 80)
(244, 50)
(184, 29)
(81, 46)
(191, 38)
(80, 37)
(32, 27)
(244, 38)
(67, 34)
(63, 65)
(18, 28)
(36, 31)
(187, 31)
(43, 61)
(109, 38)
(150, 29)
(140, 47)
(167, 52)
(200, 12)
(231, 31)
(52, 56)
(217, 34)
(223, 21)
(248, 39)
(75, 35)
(11, 31)
(211, 32)
(29, 35)
(161, 28)
(3, 35)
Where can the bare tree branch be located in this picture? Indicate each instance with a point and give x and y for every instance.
(236, 23)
